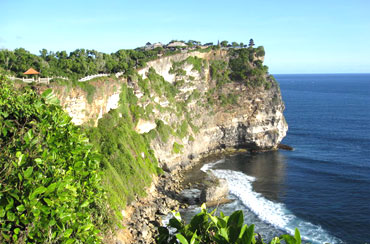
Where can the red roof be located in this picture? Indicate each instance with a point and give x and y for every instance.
(31, 71)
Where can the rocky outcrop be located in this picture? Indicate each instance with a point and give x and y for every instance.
(85, 108)
(215, 190)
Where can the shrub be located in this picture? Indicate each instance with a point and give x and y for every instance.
(196, 62)
(163, 130)
(50, 187)
(176, 148)
(182, 131)
(207, 228)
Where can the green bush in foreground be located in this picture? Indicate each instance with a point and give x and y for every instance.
(207, 228)
(50, 190)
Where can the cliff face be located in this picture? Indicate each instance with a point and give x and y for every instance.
(84, 110)
(197, 119)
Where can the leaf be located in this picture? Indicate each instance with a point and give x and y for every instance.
(10, 216)
(197, 221)
(288, 239)
(276, 240)
(85, 204)
(248, 235)
(182, 239)
(194, 238)
(224, 233)
(29, 135)
(176, 215)
(2, 212)
(236, 219)
(37, 192)
(20, 177)
(5, 131)
(38, 160)
(204, 206)
(21, 159)
(49, 97)
(21, 208)
(28, 172)
(70, 241)
(214, 219)
(67, 233)
(297, 236)
(243, 229)
(51, 188)
(10, 204)
(175, 223)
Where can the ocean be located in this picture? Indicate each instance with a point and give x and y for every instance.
(323, 186)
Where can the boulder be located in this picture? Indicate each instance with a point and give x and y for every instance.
(215, 189)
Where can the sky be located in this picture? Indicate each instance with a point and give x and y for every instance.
(300, 36)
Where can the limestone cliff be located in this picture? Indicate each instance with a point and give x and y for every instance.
(198, 118)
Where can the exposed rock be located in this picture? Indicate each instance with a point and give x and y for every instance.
(144, 126)
(215, 189)
(191, 196)
(285, 147)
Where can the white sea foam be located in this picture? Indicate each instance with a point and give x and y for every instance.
(207, 167)
(271, 212)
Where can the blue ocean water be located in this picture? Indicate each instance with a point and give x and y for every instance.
(323, 186)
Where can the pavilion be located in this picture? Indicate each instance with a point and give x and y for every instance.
(30, 71)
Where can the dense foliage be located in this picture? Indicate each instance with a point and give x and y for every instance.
(206, 228)
(246, 65)
(50, 188)
(76, 64)
(84, 62)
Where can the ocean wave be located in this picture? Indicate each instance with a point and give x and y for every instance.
(208, 166)
(268, 211)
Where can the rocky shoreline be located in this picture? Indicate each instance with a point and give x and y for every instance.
(143, 216)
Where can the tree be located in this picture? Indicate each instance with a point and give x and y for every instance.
(234, 44)
(224, 43)
(251, 42)
(43, 53)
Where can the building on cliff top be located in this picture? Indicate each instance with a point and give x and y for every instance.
(177, 44)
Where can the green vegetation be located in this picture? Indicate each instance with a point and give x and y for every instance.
(128, 163)
(164, 130)
(228, 99)
(90, 90)
(54, 186)
(50, 188)
(160, 86)
(220, 72)
(76, 64)
(177, 68)
(182, 131)
(176, 148)
(208, 228)
(246, 66)
(196, 62)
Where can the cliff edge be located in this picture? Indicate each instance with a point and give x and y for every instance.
(206, 112)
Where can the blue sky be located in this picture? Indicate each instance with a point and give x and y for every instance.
(299, 36)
